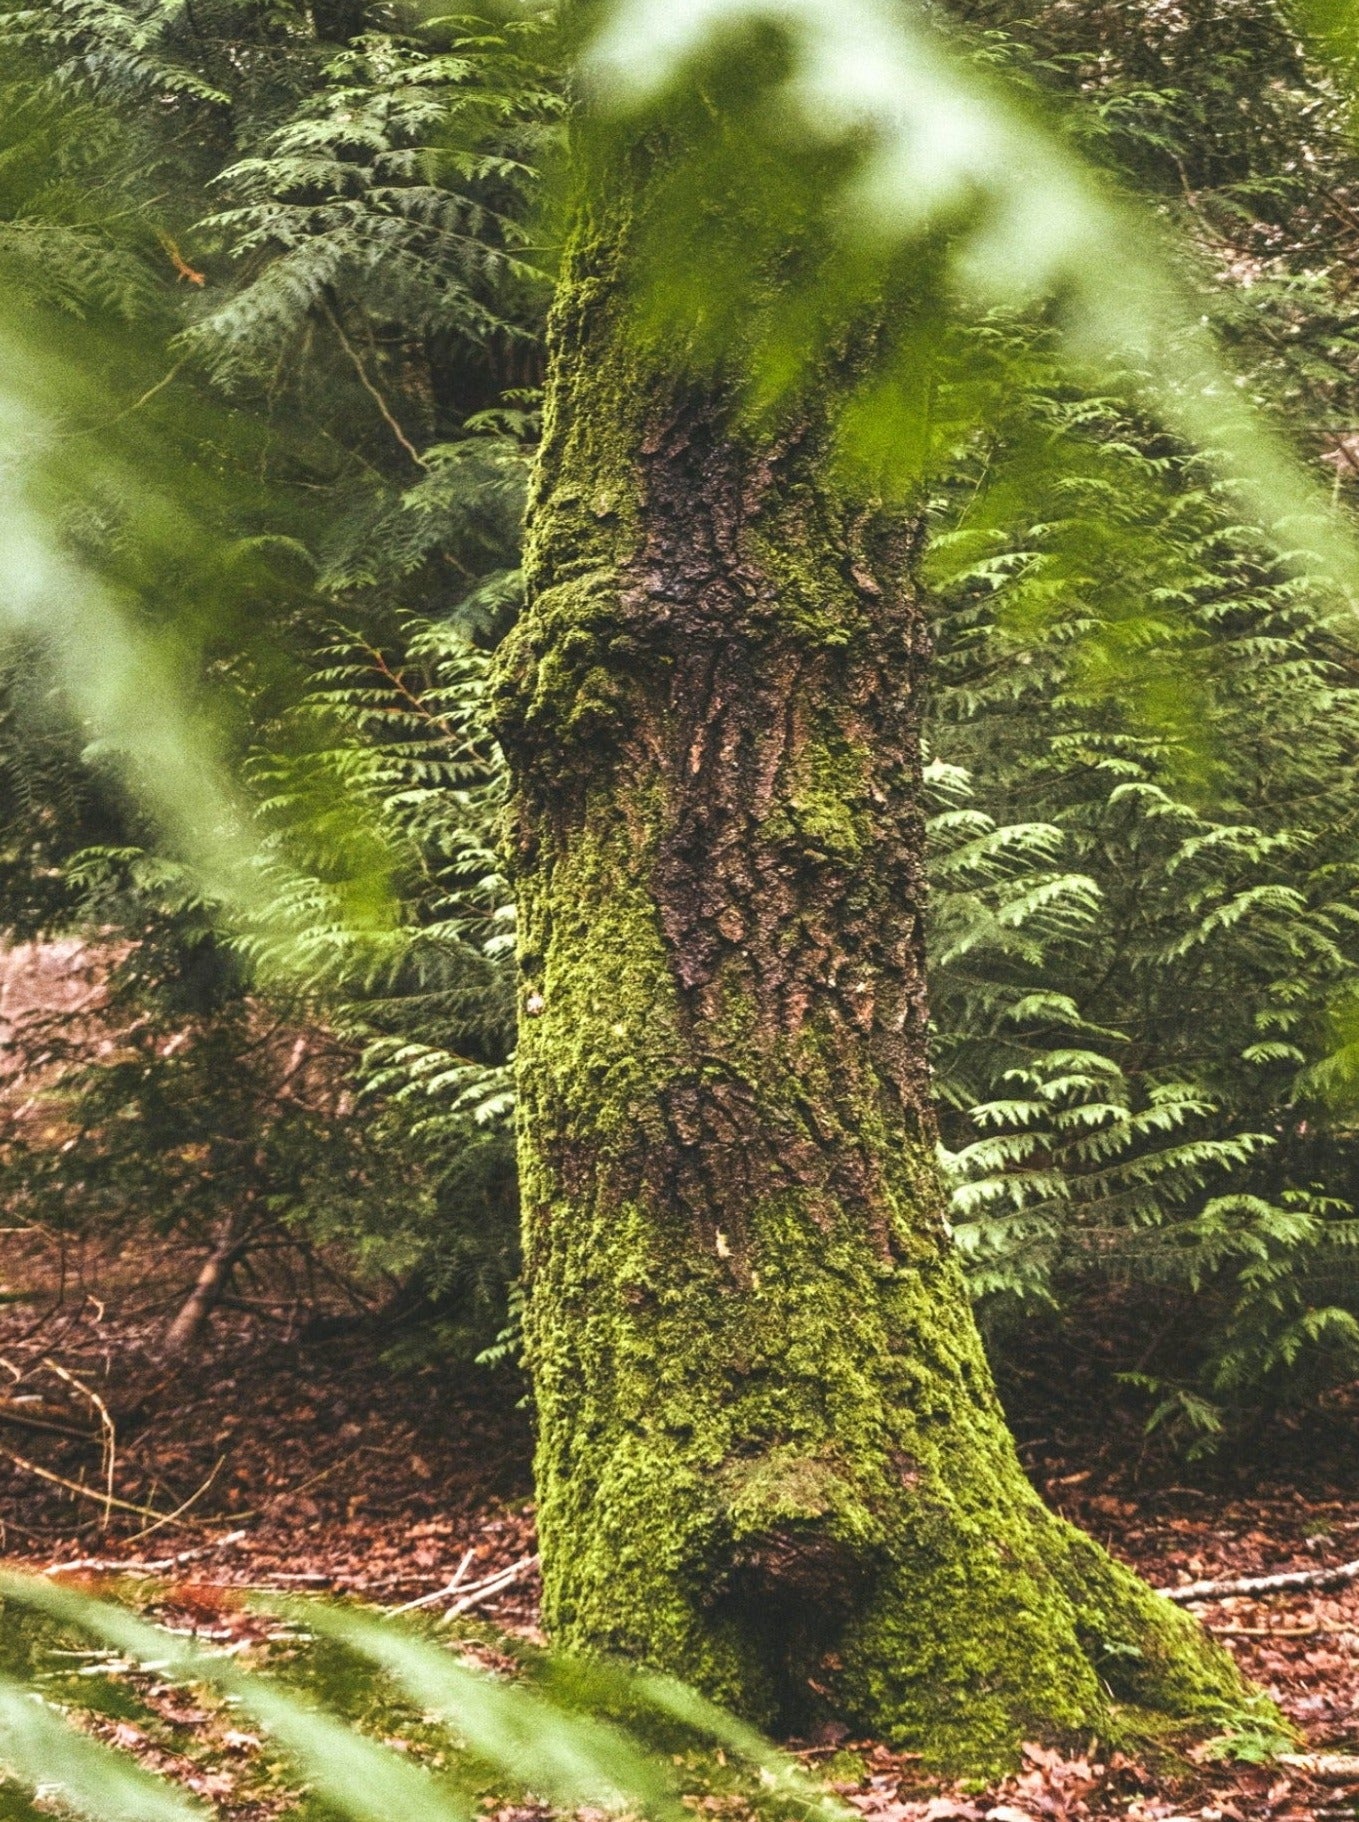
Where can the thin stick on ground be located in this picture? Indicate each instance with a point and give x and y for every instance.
(303, 1486)
(104, 1565)
(24, 1420)
(1326, 1767)
(495, 1584)
(177, 1516)
(1283, 1632)
(108, 1434)
(439, 1594)
(1283, 1583)
(97, 1493)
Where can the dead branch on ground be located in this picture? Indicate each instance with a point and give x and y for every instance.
(1284, 1583)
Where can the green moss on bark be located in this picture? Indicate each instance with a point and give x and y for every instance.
(771, 1459)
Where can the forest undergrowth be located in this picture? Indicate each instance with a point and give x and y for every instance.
(305, 1464)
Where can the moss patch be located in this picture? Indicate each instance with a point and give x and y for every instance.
(771, 1460)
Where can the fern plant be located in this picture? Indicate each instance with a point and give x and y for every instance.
(1132, 997)
(401, 733)
(587, 1734)
(400, 182)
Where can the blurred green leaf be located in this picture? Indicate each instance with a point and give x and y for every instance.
(53, 1758)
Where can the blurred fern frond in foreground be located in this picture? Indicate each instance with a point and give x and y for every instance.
(570, 1734)
(893, 167)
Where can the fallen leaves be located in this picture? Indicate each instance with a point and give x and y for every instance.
(343, 1476)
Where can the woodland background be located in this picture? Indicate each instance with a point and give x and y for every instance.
(305, 260)
(292, 265)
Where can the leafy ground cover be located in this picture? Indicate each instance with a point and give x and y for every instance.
(308, 1463)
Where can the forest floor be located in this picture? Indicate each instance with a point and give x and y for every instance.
(316, 1466)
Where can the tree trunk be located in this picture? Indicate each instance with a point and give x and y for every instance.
(771, 1459)
(214, 1275)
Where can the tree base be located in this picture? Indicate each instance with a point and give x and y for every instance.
(1059, 1643)
(883, 1562)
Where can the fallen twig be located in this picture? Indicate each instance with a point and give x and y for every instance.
(103, 1565)
(27, 1420)
(97, 1493)
(495, 1584)
(311, 1578)
(177, 1516)
(266, 1505)
(1327, 1767)
(1278, 1632)
(439, 1594)
(109, 1435)
(1265, 1584)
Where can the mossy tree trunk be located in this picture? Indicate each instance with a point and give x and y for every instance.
(771, 1458)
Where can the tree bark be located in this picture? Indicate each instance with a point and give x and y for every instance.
(214, 1275)
(771, 1459)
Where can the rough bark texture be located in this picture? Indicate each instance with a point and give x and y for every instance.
(771, 1457)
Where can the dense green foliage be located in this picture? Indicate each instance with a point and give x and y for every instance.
(1144, 912)
(272, 279)
(317, 228)
(273, 333)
